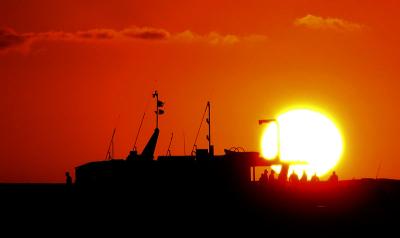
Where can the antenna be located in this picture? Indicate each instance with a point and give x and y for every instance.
(169, 146)
(110, 151)
(140, 127)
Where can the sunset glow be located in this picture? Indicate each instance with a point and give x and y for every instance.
(305, 137)
(72, 71)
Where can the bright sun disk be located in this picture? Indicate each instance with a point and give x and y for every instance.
(307, 137)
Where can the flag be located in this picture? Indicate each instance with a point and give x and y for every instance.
(160, 103)
(266, 121)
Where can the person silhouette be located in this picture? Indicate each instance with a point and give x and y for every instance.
(293, 178)
(68, 179)
(271, 177)
(303, 178)
(333, 178)
(264, 177)
(314, 178)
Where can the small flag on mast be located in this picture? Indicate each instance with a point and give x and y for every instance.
(266, 121)
(160, 103)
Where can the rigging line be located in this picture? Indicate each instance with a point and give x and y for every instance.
(169, 146)
(140, 127)
(110, 150)
(198, 131)
(141, 123)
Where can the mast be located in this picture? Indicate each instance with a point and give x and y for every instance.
(208, 120)
(159, 104)
(156, 96)
(148, 151)
(209, 125)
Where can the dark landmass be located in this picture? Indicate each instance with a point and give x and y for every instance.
(311, 208)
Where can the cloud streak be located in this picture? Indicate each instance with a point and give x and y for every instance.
(215, 38)
(146, 33)
(320, 23)
(10, 39)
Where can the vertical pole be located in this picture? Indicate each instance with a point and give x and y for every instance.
(156, 93)
(254, 173)
(209, 125)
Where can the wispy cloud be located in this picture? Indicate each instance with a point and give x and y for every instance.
(216, 38)
(320, 23)
(10, 39)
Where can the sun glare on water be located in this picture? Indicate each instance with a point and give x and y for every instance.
(308, 139)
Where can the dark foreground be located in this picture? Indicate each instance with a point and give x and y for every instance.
(349, 206)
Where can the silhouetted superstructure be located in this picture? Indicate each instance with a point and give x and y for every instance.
(234, 168)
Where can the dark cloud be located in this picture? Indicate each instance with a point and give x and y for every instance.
(52, 35)
(146, 33)
(100, 34)
(10, 39)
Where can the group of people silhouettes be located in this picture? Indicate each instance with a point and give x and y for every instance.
(265, 178)
(294, 178)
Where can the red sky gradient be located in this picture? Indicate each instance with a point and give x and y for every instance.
(70, 71)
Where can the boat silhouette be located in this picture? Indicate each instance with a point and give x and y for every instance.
(233, 169)
(202, 192)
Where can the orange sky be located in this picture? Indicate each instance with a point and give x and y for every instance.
(69, 70)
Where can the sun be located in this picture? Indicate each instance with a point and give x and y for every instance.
(307, 138)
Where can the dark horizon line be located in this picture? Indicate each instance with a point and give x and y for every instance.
(322, 181)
